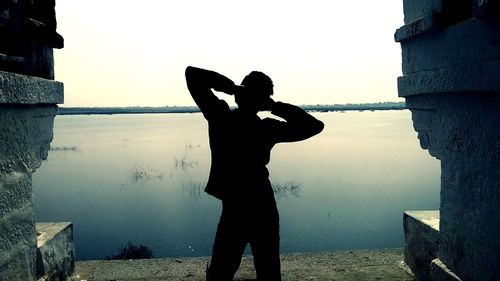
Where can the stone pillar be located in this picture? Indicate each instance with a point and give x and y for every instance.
(451, 70)
(27, 111)
(27, 37)
(28, 105)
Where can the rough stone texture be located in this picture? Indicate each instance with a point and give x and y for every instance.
(451, 47)
(451, 86)
(421, 241)
(28, 33)
(462, 131)
(56, 252)
(343, 265)
(22, 89)
(418, 27)
(448, 11)
(476, 77)
(414, 9)
(25, 136)
(27, 111)
(18, 244)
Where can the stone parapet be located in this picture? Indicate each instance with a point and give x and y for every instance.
(421, 229)
(55, 251)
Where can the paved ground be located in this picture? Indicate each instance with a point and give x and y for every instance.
(358, 265)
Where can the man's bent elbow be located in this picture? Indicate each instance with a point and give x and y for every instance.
(189, 73)
(192, 77)
(317, 127)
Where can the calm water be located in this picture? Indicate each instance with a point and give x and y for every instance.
(139, 179)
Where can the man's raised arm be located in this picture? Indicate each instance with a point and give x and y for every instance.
(299, 124)
(201, 81)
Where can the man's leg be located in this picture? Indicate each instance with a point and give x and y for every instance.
(228, 247)
(265, 246)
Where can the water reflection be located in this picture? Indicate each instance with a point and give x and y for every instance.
(340, 197)
(184, 163)
(75, 149)
(141, 174)
(193, 188)
(291, 188)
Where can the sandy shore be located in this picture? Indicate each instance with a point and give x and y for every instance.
(359, 265)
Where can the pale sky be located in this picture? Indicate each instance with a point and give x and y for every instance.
(128, 53)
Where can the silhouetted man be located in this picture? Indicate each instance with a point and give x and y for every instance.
(241, 145)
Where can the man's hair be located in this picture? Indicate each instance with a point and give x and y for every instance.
(258, 81)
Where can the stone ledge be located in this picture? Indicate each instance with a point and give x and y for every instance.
(419, 27)
(440, 272)
(55, 251)
(29, 90)
(469, 42)
(421, 229)
(478, 77)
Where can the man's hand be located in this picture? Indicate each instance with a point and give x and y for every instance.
(267, 104)
(236, 90)
(198, 78)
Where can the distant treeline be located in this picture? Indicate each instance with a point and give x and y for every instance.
(193, 109)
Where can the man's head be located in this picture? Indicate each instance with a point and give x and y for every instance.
(258, 88)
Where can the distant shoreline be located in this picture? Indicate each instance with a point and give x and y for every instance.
(194, 109)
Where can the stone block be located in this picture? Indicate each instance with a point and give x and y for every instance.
(18, 227)
(468, 42)
(55, 252)
(17, 264)
(461, 129)
(449, 11)
(470, 246)
(475, 77)
(18, 244)
(15, 192)
(22, 89)
(421, 229)
(25, 135)
(418, 27)
(414, 9)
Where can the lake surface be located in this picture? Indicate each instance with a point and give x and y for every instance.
(140, 179)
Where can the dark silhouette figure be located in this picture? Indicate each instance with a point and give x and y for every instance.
(241, 144)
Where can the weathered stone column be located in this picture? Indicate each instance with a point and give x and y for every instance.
(451, 83)
(27, 111)
(28, 105)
